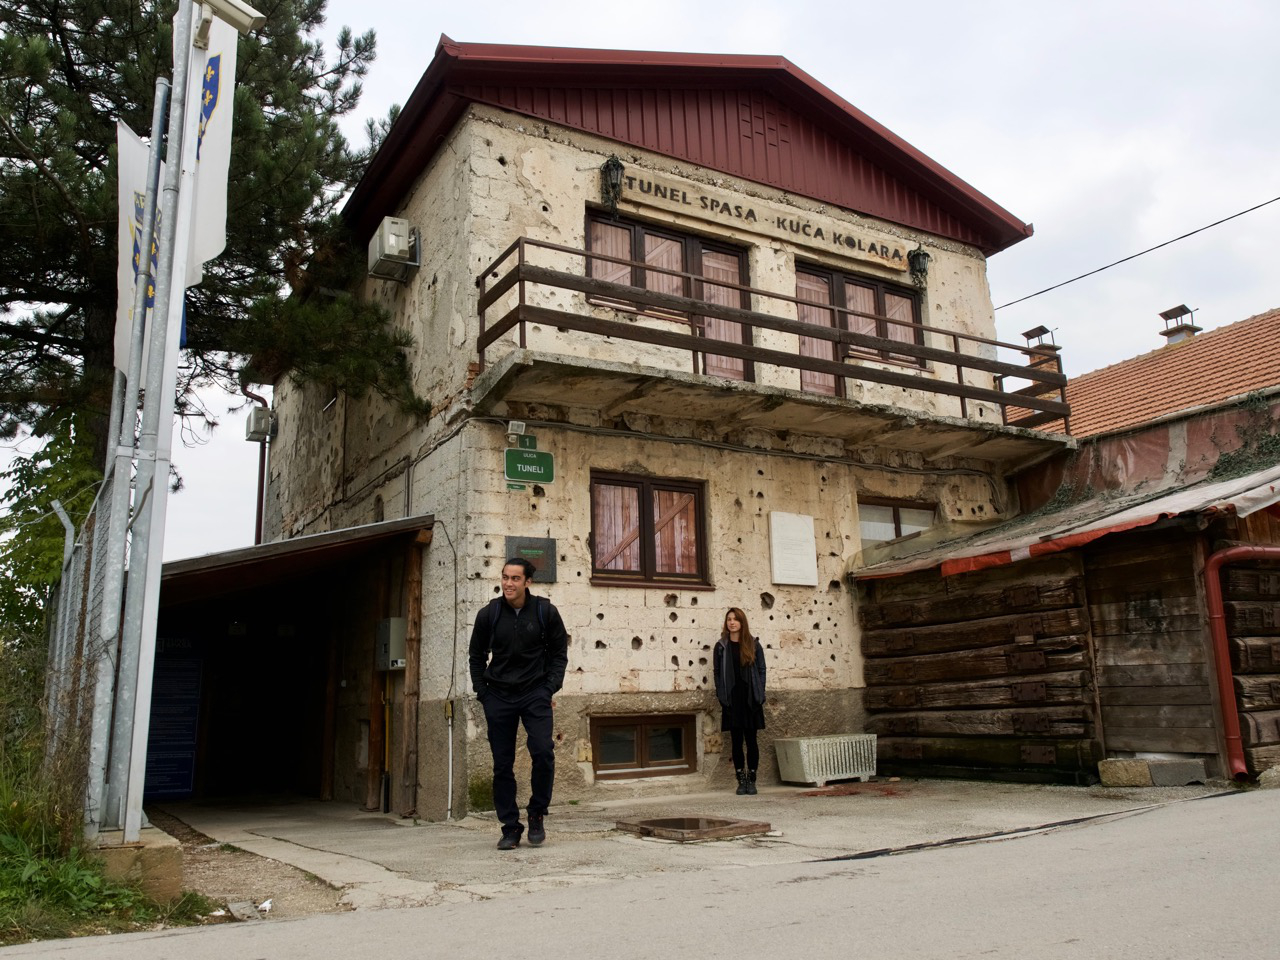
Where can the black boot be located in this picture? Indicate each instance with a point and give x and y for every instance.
(751, 782)
(742, 783)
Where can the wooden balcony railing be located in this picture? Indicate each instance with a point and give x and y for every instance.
(518, 287)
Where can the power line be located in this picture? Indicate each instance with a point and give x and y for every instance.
(1136, 255)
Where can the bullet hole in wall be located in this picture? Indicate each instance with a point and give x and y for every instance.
(636, 643)
(486, 544)
(702, 661)
(673, 640)
(599, 616)
(564, 558)
(545, 208)
(670, 599)
(766, 601)
(502, 161)
(538, 491)
(833, 657)
(833, 586)
(533, 506)
(759, 495)
(486, 562)
(759, 473)
(600, 645)
(675, 661)
(817, 626)
(674, 616)
(704, 681)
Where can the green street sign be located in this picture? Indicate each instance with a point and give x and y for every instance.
(529, 466)
(528, 442)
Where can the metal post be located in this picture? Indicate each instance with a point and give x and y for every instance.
(133, 695)
(121, 469)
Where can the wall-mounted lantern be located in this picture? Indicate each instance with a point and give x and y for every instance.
(918, 263)
(611, 183)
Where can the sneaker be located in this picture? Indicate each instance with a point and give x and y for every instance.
(509, 841)
(537, 829)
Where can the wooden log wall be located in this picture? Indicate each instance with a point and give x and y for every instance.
(982, 674)
(1252, 613)
(1149, 624)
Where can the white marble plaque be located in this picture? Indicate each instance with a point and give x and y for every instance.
(793, 550)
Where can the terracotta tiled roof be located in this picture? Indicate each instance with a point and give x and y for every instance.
(1205, 369)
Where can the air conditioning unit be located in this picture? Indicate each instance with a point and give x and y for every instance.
(260, 425)
(394, 250)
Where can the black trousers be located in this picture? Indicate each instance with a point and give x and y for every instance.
(504, 717)
(736, 737)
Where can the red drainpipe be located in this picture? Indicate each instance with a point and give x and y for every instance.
(1221, 650)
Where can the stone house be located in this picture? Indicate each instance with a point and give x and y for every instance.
(695, 333)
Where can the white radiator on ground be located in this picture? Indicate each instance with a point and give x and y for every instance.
(817, 760)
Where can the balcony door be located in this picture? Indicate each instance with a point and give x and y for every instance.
(687, 266)
(814, 292)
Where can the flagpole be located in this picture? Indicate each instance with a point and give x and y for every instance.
(138, 642)
(121, 468)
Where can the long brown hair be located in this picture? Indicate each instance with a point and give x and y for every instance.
(746, 642)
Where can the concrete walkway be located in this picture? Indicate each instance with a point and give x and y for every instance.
(382, 861)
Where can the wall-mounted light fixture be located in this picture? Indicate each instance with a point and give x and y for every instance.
(918, 263)
(611, 183)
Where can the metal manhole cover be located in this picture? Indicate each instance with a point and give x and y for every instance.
(684, 829)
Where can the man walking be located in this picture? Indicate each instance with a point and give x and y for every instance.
(519, 651)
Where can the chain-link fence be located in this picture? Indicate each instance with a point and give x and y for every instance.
(80, 681)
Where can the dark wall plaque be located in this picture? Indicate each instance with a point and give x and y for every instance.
(540, 551)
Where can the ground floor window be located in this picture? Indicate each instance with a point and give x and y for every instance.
(646, 529)
(881, 520)
(643, 746)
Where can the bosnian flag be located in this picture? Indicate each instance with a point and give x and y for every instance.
(210, 93)
(132, 263)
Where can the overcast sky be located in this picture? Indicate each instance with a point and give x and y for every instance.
(1111, 126)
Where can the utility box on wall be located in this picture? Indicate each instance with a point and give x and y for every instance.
(389, 644)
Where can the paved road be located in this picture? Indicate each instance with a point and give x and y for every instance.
(1189, 880)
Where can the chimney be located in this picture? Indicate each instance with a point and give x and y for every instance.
(1178, 325)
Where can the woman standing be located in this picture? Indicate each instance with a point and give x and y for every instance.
(740, 674)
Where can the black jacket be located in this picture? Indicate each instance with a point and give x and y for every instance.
(519, 649)
(724, 673)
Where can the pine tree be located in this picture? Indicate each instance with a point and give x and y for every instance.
(277, 298)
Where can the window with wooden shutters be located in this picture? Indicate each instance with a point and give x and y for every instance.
(869, 306)
(646, 529)
(711, 268)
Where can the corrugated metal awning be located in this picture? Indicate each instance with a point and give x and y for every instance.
(220, 573)
(1039, 534)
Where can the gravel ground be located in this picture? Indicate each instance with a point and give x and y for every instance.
(228, 875)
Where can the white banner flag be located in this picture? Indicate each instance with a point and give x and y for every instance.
(132, 155)
(210, 95)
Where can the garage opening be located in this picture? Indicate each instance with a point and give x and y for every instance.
(268, 681)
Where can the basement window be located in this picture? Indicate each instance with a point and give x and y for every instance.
(643, 746)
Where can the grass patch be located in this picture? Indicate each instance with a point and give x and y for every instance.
(50, 885)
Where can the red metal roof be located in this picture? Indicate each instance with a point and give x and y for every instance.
(756, 117)
(1206, 369)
